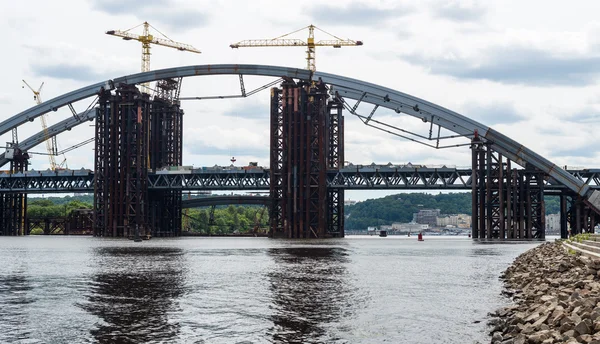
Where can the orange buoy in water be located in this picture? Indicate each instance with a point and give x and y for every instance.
(420, 236)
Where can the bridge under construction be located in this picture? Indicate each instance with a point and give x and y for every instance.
(136, 136)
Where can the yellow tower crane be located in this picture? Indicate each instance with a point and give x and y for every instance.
(310, 43)
(51, 146)
(146, 38)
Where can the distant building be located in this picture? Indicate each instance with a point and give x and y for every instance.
(459, 221)
(409, 227)
(349, 202)
(553, 223)
(428, 216)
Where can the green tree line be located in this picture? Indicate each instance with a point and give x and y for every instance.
(230, 219)
(47, 208)
(400, 208)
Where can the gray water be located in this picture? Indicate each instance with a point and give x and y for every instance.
(249, 290)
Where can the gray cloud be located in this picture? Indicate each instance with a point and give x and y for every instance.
(165, 13)
(551, 131)
(455, 11)
(517, 65)
(355, 13)
(583, 152)
(491, 114)
(76, 72)
(66, 71)
(586, 116)
(250, 111)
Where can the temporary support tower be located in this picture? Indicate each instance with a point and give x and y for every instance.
(303, 146)
(13, 206)
(120, 195)
(506, 203)
(166, 133)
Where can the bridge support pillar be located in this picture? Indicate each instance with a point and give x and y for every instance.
(506, 203)
(306, 139)
(580, 217)
(564, 230)
(121, 164)
(166, 135)
(13, 206)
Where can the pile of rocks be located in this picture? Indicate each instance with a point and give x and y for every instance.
(556, 295)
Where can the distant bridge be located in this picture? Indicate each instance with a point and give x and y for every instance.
(225, 200)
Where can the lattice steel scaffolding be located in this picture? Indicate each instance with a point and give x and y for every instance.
(166, 133)
(121, 197)
(506, 203)
(13, 205)
(303, 147)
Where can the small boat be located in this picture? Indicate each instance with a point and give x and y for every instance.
(420, 236)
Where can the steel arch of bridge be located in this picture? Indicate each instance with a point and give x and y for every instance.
(348, 88)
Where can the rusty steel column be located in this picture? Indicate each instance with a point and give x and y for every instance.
(496, 203)
(335, 161)
(276, 191)
(301, 144)
(165, 152)
(13, 206)
(521, 204)
(536, 204)
(488, 192)
(121, 196)
(510, 230)
(564, 233)
(482, 193)
(475, 147)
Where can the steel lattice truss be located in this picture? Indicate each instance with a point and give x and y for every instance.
(226, 180)
(348, 178)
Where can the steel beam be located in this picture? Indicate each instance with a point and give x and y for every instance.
(348, 178)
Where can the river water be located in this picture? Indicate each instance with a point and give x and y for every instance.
(249, 290)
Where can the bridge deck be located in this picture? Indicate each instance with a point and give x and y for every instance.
(365, 178)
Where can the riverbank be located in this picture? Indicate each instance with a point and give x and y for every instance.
(556, 294)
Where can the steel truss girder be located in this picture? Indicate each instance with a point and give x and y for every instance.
(348, 178)
(351, 88)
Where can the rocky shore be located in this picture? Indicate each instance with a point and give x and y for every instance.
(556, 297)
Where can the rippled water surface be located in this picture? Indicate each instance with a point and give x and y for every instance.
(249, 290)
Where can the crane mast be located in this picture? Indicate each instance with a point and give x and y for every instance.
(310, 44)
(146, 38)
(50, 141)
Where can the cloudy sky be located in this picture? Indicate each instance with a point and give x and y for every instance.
(530, 69)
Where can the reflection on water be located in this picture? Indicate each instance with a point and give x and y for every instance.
(133, 293)
(309, 289)
(15, 294)
(249, 290)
